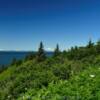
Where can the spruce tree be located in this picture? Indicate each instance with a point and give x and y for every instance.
(91, 49)
(57, 51)
(41, 56)
(98, 47)
(90, 44)
(14, 61)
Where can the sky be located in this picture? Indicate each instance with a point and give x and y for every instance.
(24, 23)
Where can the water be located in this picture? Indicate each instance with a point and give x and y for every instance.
(7, 56)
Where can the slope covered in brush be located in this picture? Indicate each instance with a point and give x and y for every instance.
(85, 86)
(72, 73)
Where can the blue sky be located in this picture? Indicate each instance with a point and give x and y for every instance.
(24, 23)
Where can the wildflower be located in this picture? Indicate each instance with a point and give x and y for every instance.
(28, 97)
(23, 97)
(9, 96)
(25, 88)
(92, 76)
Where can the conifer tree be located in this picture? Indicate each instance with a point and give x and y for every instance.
(90, 44)
(41, 56)
(57, 51)
(76, 48)
(98, 47)
(91, 49)
(14, 61)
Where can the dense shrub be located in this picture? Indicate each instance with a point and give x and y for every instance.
(72, 75)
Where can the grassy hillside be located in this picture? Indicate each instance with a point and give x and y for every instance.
(68, 75)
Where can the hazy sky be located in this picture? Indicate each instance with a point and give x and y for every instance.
(24, 23)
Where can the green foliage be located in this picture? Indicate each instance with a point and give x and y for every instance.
(2, 68)
(30, 56)
(78, 53)
(41, 56)
(14, 61)
(84, 86)
(98, 47)
(90, 44)
(57, 51)
(68, 75)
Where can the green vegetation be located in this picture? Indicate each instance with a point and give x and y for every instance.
(56, 51)
(67, 75)
(85, 86)
(41, 56)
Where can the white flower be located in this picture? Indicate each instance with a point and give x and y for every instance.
(92, 76)
(28, 97)
(9, 96)
(25, 88)
(23, 97)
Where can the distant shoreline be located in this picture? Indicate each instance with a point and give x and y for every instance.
(6, 57)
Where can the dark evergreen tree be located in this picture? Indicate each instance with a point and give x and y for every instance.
(30, 56)
(64, 53)
(71, 53)
(2, 68)
(91, 49)
(57, 51)
(76, 48)
(90, 44)
(72, 49)
(98, 47)
(76, 53)
(41, 56)
(14, 61)
(19, 62)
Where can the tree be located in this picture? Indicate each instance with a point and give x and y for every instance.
(90, 44)
(57, 51)
(2, 68)
(91, 49)
(76, 48)
(64, 53)
(73, 53)
(30, 56)
(41, 56)
(19, 62)
(14, 61)
(98, 47)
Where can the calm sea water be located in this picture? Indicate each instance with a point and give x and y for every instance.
(6, 57)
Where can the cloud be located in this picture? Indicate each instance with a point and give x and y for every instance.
(49, 49)
(1, 49)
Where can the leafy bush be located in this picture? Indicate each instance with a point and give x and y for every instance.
(84, 86)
